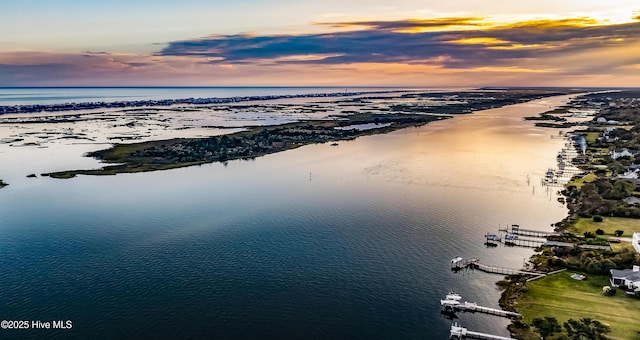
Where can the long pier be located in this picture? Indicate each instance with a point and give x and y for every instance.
(473, 307)
(460, 263)
(497, 270)
(520, 242)
(512, 238)
(516, 230)
(459, 332)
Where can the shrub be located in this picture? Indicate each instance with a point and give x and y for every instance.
(619, 233)
(599, 232)
(597, 218)
(519, 324)
(588, 234)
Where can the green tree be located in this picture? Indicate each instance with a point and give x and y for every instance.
(593, 266)
(547, 326)
(586, 329)
(621, 189)
(625, 186)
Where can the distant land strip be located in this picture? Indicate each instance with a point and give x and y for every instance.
(34, 108)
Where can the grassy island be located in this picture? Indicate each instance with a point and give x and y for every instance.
(254, 142)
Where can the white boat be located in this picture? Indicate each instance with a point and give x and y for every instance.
(550, 173)
(449, 302)
(453, 296)
(493, 237)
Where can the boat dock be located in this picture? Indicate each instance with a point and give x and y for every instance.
(536, 239)
(460, 263)
(473, 308)
(459, 332)
(497, 270)
(516, 230)
(523, 242)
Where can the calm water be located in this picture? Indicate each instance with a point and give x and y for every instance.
(343, 242)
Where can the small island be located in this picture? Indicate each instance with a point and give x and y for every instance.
(254, 142)
(3, 184)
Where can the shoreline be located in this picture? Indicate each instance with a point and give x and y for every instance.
(534, 298)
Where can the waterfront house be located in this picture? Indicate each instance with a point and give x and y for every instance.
(631, 174)
(623, 153)
(632, 200)
(606, 137)
(626, 279)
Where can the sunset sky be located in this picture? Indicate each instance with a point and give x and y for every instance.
(323, 43)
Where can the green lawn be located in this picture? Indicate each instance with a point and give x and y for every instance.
(609, 225)
(588, 178)
(591, 137)
(562, 297)
(618, 247)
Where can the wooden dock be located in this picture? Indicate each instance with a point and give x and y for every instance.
(459, 332)
(536, 239)
(460, 263)
(497, 270)
(473, 308)
(516, 230)
(523, 242)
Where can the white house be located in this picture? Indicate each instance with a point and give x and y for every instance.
(632, 200)
(626, 278)
(635, 241)
(631, 174)
(624, 152)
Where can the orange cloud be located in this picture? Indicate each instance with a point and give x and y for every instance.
(479, 41)
(413, 25)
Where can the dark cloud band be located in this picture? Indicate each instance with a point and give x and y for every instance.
(414, 42)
